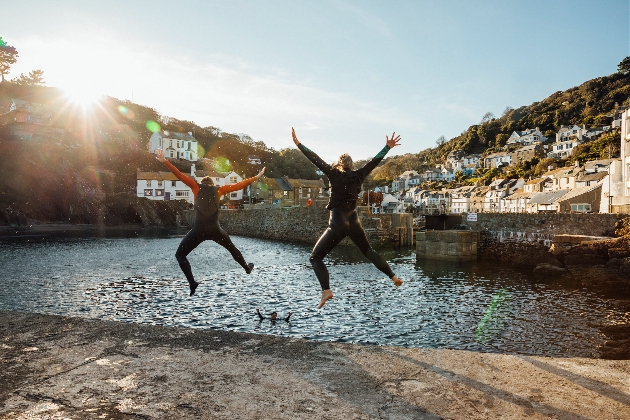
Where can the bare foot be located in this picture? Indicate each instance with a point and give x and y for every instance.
(250, 267)
(193, 287)
(397, 281)
(326, 294)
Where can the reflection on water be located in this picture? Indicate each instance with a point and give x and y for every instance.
(442, 304)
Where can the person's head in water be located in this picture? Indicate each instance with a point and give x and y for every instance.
(344, 163)
(206, 180)
(274, 316)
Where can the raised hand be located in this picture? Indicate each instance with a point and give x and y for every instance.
(393, 141)
(262, 171)
(295, 139)
(159, 155)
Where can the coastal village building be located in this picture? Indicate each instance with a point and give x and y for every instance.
(164, 186)
(497, 160)
(526, 153)
(460, 199)
(253, 160)
(527, 137)
(174, 145)
(24, 120)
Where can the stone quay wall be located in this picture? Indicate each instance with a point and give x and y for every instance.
(524, 239)
(457, 245)
(541, 227)
(306, 224)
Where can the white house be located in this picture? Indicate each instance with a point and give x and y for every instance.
(165, 186)
(460, 199)
(527, 137)
(175, 145)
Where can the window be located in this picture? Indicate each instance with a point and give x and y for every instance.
(233, 195)
(581, 208)
(173, 183)
(233, 180)
(148, 182)
(159, 183)
(181, 193)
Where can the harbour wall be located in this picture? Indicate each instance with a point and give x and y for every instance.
(524, 239)
(306, 224)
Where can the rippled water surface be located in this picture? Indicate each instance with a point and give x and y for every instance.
(462, 306)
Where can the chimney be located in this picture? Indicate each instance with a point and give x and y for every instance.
(192, 170)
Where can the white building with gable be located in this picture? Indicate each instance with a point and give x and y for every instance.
(174, 145)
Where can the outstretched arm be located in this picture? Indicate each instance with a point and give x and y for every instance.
(259, 314)
(389, 144)
(317, 161)
(288, 316)
(159, 155)
(240, 185)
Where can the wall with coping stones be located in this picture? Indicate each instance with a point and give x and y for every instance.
(542, 227)
(524, 239)
(306, 224)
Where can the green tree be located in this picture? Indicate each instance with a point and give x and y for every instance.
(624, 66)
(34, 78)
(8, 57)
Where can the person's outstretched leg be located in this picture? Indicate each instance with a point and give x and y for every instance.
(190, 242)
(358, 236)
(329, 239)
(222, 238)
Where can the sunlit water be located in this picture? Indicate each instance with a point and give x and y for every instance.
(441, 304)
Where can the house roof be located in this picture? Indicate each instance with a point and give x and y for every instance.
(596, 176)
(576, 192)
(536, 181)
(548, 197)
(519, 193)
(177, 136)
(157, 176)
(591, 164)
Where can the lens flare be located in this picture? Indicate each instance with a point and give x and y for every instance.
(495, 319)
(221, 164)
(126, 112)
(152, 126)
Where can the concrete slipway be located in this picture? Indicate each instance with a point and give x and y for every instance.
(56, 367)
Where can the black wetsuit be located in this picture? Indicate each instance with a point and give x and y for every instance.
(206, 227)
(274, 320)
(344, 220)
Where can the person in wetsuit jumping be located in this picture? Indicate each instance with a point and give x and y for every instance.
(206, 225)
(345, 186)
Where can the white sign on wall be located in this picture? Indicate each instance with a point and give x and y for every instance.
(471, 217)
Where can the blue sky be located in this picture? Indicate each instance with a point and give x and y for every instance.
(343, 73)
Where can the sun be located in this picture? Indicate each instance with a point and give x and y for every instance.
(82, 95)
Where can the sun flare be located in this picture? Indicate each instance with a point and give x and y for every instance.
(84, 96)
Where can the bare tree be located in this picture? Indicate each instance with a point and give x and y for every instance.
(440, 141)
(487, 117)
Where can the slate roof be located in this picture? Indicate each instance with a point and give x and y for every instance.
(157, 176)
(576, 192)
(548, 197)
(597, 176)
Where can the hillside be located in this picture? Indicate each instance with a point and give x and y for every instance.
(88, 155)
(590, 104)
